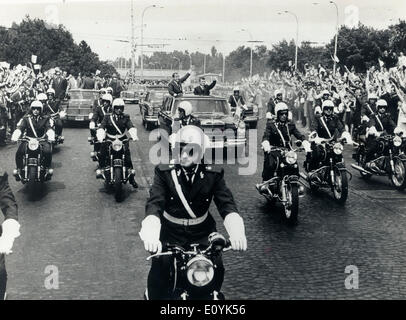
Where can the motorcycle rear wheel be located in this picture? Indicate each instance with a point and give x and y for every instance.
(341, 188)
(118, 185)
(398, 177)
(292, 207)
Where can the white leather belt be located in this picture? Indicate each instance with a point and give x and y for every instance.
(115, 136)
(185, 222)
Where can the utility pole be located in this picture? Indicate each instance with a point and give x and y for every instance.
(132, 40)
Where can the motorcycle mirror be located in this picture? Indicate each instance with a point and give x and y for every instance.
(298, 143)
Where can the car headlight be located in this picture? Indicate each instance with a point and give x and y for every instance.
(397, 141)
(150, 111)
(33, 144)
(200, 271)
(291, 157)
(117, 145)
(338, 148)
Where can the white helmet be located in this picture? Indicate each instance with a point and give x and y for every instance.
(103, 91)
(372, 96)
(36, 104)
(381, 103)
(118, 102)
(50, 90)
(107, 97)
(236, 89)
(325, 92)
(327, 104)
(277, 92)
(42, 96)
(186, 106)
(109, 90)
(192, 136)
(281, 106)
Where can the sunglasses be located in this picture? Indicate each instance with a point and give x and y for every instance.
(283, 113)
(37, 109)
(191, 149)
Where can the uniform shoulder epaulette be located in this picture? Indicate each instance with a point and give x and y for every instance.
(213, 168)
(166, 167)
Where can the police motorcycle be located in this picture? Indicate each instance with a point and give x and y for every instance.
(332, 173)
(285, 187)
(115, 174)
(194, 269)
(33, 171)
(390, 160)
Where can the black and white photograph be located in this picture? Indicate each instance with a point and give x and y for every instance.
(202, 150)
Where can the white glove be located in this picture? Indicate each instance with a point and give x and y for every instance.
(234, 225)
(290, 116)
(150, 231)
(266, 146)
(100, 134)
(90, 115)
(346, 135)
(317, 110)
(16, 135)
(62, 114)
(318, 140)
(133, 133)
(92, 125)
(306, 145)
(51, 135)
(172, 139)
(372, 132)
(269, 115)
(365, 118)
(313, 135)
(398, 131)
(11, 230)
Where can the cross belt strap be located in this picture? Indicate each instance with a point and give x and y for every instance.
(186, 222)
(32, 127)
(181, 195)
(325, 126)
(115, 125)
(380, 123)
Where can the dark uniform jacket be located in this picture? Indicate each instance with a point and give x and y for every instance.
(52, 106)
(333, 123)
(205, 91)
(367, 110)
(208, 185)
(383, 123)
(123, 122)
(175, 87)
(272, 135)
(99, 113)
(392, 100)
(41, 125)
(233, 101)
(8, 204)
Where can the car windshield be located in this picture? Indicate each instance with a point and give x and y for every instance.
(157, 96)
(87, 95)
(207, 106)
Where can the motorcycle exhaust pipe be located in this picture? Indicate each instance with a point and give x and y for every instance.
(93, 156)
(356, 167)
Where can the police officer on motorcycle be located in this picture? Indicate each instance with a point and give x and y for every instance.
(236, 99)
(273, 101)
(278, 134)
(35, 125)
(53, 106)
(9, 229)
(99, 112)
(382, 122)
(327, 126)
(177, 209)
(113, 125)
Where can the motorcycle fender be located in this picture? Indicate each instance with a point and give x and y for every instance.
(293, 179)
(401, 157)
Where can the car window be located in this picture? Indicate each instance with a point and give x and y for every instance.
(203, 106)
(79, 95)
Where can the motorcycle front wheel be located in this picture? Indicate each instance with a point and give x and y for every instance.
(292, 206)
(32, 176)
(118, 185)
(398, 177)
(340, 189)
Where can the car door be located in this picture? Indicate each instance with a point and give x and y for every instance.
(164, 115)
(144, 106)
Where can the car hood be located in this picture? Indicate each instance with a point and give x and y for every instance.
(211, 120)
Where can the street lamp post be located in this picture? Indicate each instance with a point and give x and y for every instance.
(251, 50)
(142, 37)
(335, 44)
(179, 63)
(297, 34)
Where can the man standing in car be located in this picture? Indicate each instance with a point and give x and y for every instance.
(203, 89)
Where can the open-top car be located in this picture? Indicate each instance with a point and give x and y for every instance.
(80, 104)
(150, 106)
(215, 118)
(129, 96)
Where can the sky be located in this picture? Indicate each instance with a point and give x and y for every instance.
(197, 25)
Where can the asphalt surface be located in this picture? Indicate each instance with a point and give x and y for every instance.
(77, 228)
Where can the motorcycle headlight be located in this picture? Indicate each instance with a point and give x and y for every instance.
(200, 271)
(338, 148)
(117, 145)
(33, 144)
(291, 157)
(397, 141)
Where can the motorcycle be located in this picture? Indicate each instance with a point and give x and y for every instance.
(33, 172)
(391, 160)
(332, 173)
(116, 173)
(194, 271)
(285, 186)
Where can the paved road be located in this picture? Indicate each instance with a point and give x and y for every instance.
(92, 240)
